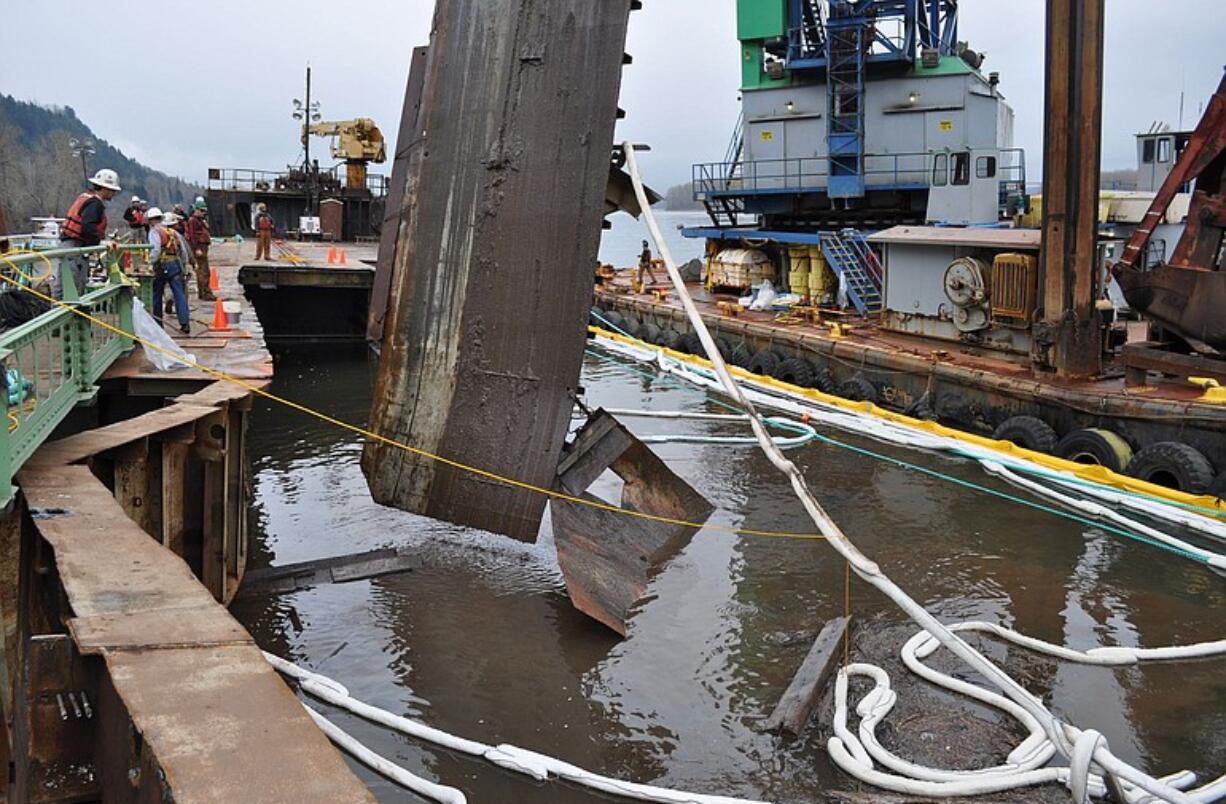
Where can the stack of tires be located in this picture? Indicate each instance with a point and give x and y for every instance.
(1165, 463)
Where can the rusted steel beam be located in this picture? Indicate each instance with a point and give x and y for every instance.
(484, 334)
(1069, 338)
(400, 193)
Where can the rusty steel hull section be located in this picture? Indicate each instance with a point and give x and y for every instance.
(400, 193)
(974, 395)
(484, 332)
(1188, 301)
(127, 678)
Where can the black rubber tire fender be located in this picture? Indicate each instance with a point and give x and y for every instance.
(1029, 432)
(670, 339)
(613, 321)
(724, 346)
(796, 371)
(764, 362)
(650, 333)
(1175, 465)
(922, 409)
(741, 355)
(594, 316)
(691, 345)
(631, 326)
(823, 380)
(1095, 446)
(1218, 487)
(858, 389)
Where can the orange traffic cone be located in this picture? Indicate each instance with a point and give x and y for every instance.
(331, 255)
(220, 322)
(342, 258)
(213, 283)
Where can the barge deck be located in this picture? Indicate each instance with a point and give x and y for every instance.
(966, 387)
(124, 675)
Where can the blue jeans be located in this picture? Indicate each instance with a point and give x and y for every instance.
(170, 273)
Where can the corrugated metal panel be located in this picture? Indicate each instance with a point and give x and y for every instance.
(484, 335)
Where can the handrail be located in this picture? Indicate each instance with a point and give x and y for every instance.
(51, 363)
(256, 180)
(812, 172)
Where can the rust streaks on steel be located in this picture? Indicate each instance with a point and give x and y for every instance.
(183, 704)
(486, 320)
(1069, 337)
(400, 193)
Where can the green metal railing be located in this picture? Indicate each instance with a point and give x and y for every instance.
(51, 363)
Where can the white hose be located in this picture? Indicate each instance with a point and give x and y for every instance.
(995, 463)
(804, 431)
(510, 757)
(1063, 736)
(384, 766)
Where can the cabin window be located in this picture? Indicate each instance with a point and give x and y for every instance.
(940, 170)
(961, 169)
(1164, 149)
(1147, 151)
(985, 167)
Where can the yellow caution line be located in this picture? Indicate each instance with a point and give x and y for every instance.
(391, 442)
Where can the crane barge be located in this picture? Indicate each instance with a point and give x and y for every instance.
(873, 176)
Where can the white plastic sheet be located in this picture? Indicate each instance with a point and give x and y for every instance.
(167, 356)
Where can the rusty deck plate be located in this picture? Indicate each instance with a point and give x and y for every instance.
(220, 722)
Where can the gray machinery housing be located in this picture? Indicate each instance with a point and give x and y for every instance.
(914, 126)
(977, 286)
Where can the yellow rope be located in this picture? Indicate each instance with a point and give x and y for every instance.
(324, 417)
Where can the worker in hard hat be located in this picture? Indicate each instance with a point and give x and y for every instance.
(85, 225)
(134, 215)
(644, 267)
(199, 238)
(169, 251)
(264, 227)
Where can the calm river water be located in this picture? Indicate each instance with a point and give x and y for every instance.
(482, 640)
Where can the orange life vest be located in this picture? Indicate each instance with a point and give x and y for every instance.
(264, 221)
(71, 230)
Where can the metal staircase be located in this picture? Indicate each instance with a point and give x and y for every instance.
(723, 210)
(852, 259)
(847, 46)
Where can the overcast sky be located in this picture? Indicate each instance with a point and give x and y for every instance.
(218, 95)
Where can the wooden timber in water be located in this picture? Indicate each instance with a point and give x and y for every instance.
(484, 332)
(796, 707)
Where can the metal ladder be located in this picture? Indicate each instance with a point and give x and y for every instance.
(846, 45)
(843, 253)
(723, 210)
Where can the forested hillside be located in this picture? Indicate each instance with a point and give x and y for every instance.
(39, 176)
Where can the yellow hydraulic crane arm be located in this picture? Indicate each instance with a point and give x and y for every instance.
(357, 140)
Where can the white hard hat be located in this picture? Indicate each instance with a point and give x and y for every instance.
(135, 199)
(154, 212)
(169, 219)
(106, 178)
(199, 199)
